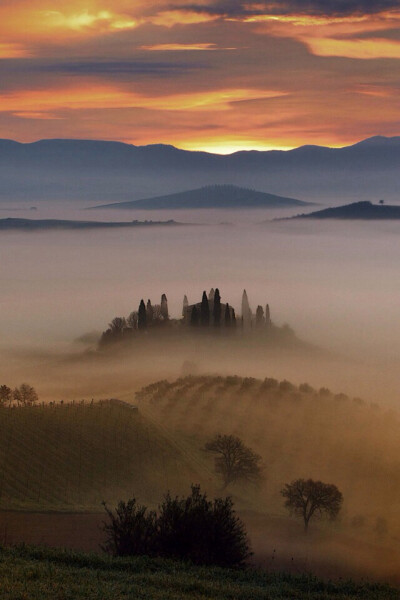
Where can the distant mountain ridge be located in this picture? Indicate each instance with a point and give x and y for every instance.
(356, 210)
(103, 171)
(215, 196)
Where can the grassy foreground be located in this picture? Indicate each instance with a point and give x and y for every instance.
(41, 574)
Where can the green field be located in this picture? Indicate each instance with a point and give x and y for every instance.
(41, 574)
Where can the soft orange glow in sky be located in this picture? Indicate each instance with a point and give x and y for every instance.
(201, 75)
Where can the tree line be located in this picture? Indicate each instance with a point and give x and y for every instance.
(147, 315)
(24, 395)
(209, 312)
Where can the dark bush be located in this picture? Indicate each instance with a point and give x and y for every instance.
(131, 530)
(202, 531)
(305, 388)
(286, 386)
(205, 532)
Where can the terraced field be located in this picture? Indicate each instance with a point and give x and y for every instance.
(299, 432)
(75, 456)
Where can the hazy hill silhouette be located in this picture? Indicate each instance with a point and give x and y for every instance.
(212, 196)
(113, 171)
(52, 224)
(356, 210)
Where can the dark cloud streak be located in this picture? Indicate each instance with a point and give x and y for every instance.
(100, 67)
(329, 8)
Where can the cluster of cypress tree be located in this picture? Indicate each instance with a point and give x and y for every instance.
(203, 315)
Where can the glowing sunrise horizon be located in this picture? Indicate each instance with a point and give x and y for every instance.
(211, 75)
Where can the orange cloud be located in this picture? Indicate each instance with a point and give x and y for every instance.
(336, 36)
(84, 20)
(183, 47)
(99, 96)
(170, 18)
(13, 51)
(355, 48)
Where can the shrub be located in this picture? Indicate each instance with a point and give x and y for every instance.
(205, 532)
(131, 529)
(202, 531)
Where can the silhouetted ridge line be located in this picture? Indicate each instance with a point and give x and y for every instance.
(211, 196)
(357, 210)
(53, 224)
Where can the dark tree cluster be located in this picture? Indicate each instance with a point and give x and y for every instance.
(203, 531)
(24, 395)
(209, 312)
(146, 317)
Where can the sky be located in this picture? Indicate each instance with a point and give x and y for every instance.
(215, 75)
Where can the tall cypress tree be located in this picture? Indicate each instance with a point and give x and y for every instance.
(204, 311)
(259, 316)
(233, 318)
(228, 321)
(194, 317)
(185, 305)
(164, 307)
(217, 308)
(149, 311)
(142, 316)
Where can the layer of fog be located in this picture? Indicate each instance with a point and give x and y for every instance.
(335, 283)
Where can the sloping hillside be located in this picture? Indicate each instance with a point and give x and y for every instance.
(299, 432)
(212, 196)
(76, 455)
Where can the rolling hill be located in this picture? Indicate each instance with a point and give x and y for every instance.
(68, 456)
(356, 210)
(101, 171)
(357, 444)
(213, 196)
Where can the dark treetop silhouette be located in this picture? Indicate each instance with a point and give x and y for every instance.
(210, 314)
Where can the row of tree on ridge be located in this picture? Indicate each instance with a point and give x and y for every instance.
(210, 312)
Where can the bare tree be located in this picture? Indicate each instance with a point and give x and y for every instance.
(308, 498)
(5, 394)
(25, 395)
(118, 325)
(132, 320)
(234, 461)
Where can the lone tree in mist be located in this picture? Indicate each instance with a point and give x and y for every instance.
(234, 461)
(25, 394)
(5, 395)
(308, 498)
